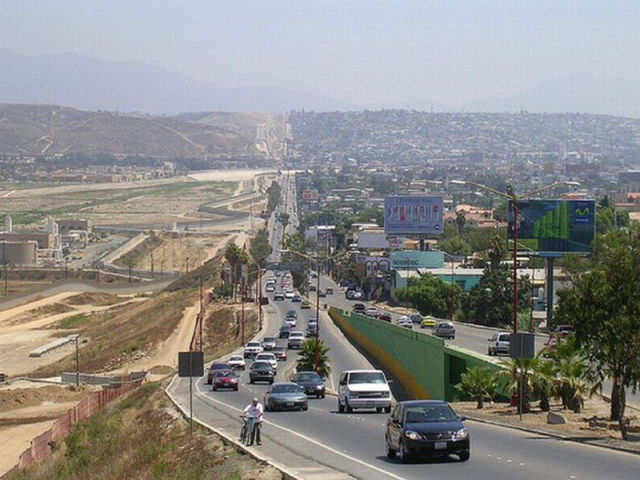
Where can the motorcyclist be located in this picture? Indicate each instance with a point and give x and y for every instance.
(254, 410)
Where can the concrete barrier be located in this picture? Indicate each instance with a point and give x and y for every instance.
(422, 364)
(56, 344)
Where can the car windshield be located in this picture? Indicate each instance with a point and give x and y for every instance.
(225, 373)
(504, 337)
(265, 357)
(309, 377)
(270, 339)
(264, 365)
(253, 344)
(287, 389)
(235, 359)
(219, 366)
(367, 377)
(429, 413)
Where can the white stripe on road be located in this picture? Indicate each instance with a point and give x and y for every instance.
(304, 437)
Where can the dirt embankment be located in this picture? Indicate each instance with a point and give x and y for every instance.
(143, 436)
(223, 330)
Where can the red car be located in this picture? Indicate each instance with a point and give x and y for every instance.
(225, 379)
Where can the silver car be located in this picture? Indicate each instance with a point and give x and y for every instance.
(285, 396)
(445, 330)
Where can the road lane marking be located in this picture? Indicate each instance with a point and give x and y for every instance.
(304, 437)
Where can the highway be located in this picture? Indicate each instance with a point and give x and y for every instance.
(323, 444)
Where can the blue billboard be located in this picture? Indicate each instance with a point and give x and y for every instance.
(555, 226)
(413, 215)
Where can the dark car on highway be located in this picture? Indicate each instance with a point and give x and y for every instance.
(285, 331)
(285, 396)
(359, 307)
(426, 428)
(215, 367)
(386, 316)
(311, 382)
(261, 372)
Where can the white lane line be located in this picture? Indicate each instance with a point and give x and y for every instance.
(308, 439)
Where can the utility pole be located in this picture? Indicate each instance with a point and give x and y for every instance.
(201, 314)
(260, 296)
(317, 308)
(77, 360)
(242, 318)
(152, 264)
(187, 265)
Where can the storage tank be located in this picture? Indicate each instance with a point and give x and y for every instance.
(18, 253)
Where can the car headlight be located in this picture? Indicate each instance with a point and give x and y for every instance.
(411, 435)
(319, 387)
(461, 434)
(386, 394)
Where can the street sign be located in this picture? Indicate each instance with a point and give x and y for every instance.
(522, 345)
(190, 364)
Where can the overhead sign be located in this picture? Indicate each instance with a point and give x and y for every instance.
(554, 226)
(413, 215)
(416, 259)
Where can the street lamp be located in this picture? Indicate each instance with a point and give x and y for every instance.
(510, 194)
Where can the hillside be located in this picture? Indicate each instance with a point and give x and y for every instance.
(50, 129)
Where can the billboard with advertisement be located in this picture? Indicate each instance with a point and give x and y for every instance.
(379, 240)
(554, 226)
(413, 215)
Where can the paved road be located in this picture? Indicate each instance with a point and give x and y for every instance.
(312, 442)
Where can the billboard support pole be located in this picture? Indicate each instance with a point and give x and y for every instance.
(549, 291)
(515, 264)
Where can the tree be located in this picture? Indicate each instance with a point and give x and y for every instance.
(461, 219)
(260, 248)
(236, 257)
(478, 383)
(307, 358)
(432, 296)
(516, 371)
(604, 308)
(273, 196)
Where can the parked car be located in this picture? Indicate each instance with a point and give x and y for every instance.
(445, 329)
(268, 357)
(499, 343)
(329, 291)
(426, 428)
(268, 343)
(252, 349)
(359, 308)
(213, 368)
(225, 379)
(305, 304)
(428, 322)
(311, 382)
(372, 312)
(278, 296)
(236, 362)
(363, 389)
(285, 396)
(285, 330)
(386, 316)
(280, 353)
(261, 372)
(296, 339)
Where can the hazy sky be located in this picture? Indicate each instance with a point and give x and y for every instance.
(367, 52)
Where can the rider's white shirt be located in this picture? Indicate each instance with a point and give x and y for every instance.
(255, 411)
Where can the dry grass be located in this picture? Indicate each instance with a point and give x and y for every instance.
(142, 437)
(124, 333)
(98, 299)
(40, 312)
(222, 330)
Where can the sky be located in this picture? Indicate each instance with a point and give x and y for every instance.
(376, 53)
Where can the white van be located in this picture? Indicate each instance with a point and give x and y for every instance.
(364, 389)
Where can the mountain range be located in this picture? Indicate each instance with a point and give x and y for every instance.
(93, 84)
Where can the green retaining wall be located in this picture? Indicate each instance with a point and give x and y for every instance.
(423, 365)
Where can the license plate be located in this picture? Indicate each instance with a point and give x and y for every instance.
(440, 445)
(226, 384)
(289, 404)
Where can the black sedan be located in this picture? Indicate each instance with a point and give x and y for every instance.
(311, 382)
(261, 372)
(427, 428)
(285, 396)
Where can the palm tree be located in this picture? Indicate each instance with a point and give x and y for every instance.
(479, 383)
(461, 219)
(515, 371)
(542, 380)
(307, 358)
(236, 256)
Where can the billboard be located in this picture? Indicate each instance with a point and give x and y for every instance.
(555, 226)
(379, 240)
(413, 215)
(411, 259)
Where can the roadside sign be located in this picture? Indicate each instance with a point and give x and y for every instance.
(190, 364)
